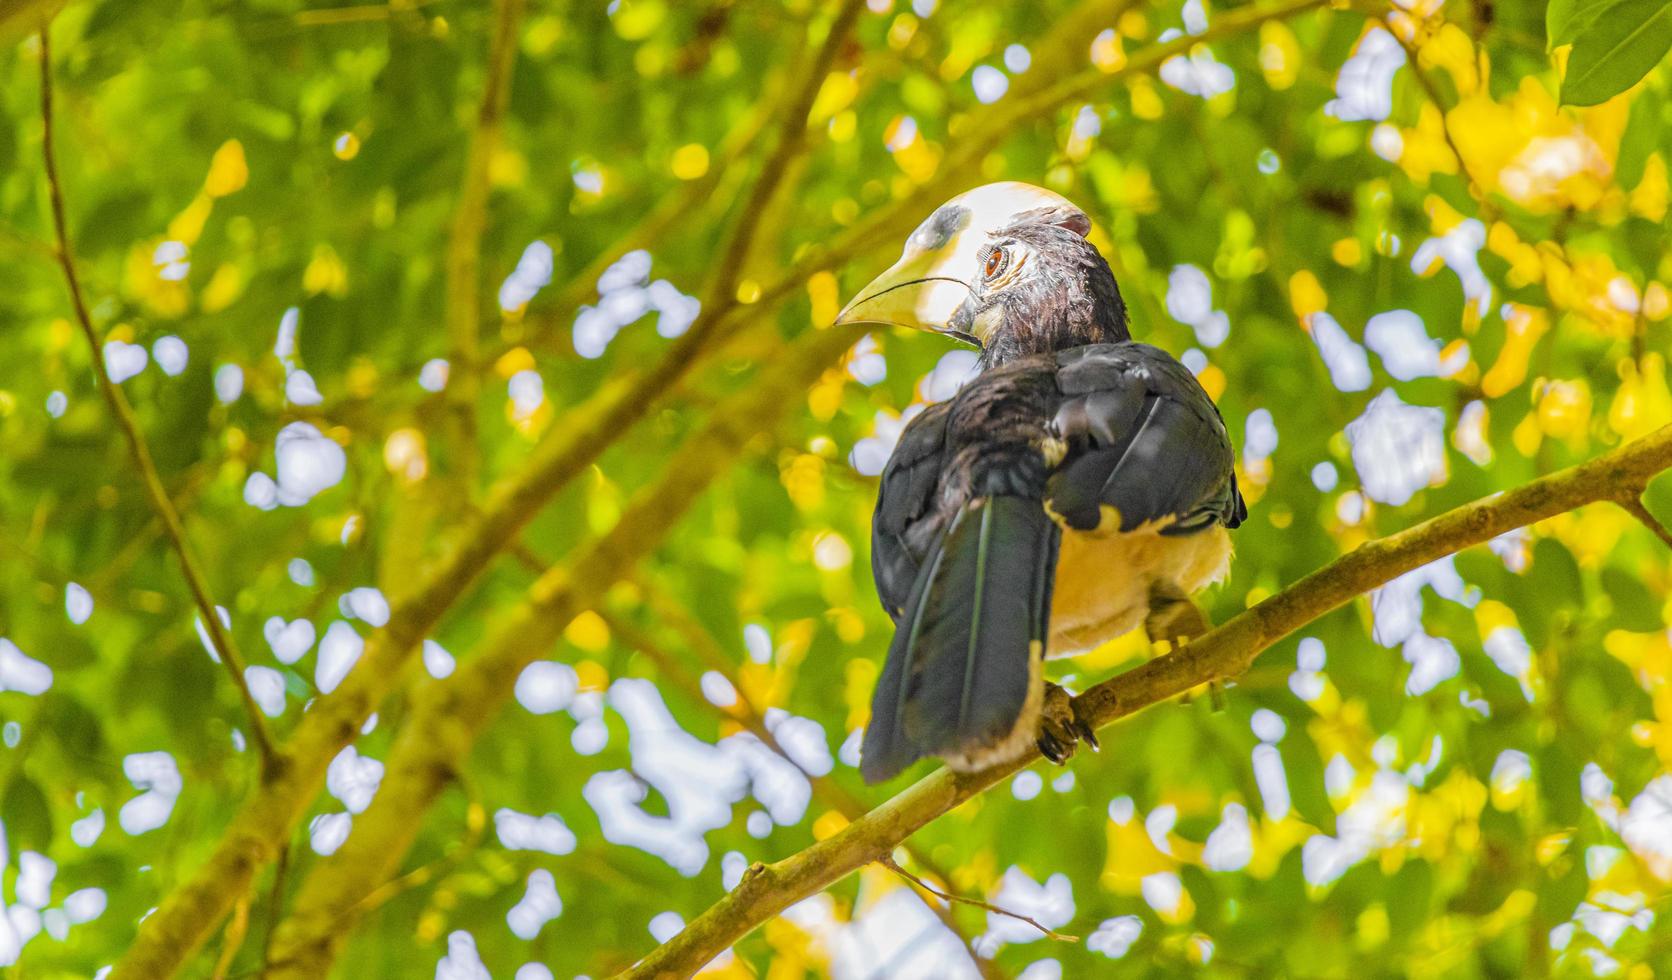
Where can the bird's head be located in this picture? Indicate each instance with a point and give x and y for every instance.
(1006, 267)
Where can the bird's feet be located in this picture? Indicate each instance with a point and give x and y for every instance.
(1175, 618)
(1060, 726)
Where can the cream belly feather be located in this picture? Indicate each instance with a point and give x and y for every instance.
(1103, 579)
(1102, 591)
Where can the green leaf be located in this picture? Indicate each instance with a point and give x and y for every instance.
(1641, 138)
(1565, 20)
(1634, 608)
(1616, 51)
(27, 815)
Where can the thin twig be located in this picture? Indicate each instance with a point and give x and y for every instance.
(1477, 190)
(464, 244)
(275, 903)
(360, 14)
(888, 862)
(475, 822)
(233, 939)
(218, 634)
(1633, 505)
(792, 137)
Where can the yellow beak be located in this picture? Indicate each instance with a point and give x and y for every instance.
(919, 292)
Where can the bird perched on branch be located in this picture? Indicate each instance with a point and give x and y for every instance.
(1078, 487)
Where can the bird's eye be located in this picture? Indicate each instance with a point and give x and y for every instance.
(995, 262)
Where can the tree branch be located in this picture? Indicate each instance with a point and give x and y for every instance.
(464, 244)
(219, 635)
(1223, 652)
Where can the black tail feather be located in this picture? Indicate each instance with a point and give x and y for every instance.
(959, 667)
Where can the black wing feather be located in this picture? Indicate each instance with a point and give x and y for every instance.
(906, 522)
(981, 617)
(959, 667)
(1144, 438)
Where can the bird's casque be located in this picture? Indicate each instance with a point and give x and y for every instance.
(1079, 486)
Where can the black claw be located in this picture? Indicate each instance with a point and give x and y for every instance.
(1051, 749)
(1086, 734)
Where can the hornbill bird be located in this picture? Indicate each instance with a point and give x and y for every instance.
(1079, 486)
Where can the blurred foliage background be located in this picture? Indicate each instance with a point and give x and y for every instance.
(355, 265)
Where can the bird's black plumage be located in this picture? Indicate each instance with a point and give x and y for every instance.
(1067, 419)
(1141, 436)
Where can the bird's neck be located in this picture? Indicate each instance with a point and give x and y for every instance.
(1054, 328)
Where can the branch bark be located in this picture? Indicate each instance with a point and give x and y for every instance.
(1223, 652)
(208, 614)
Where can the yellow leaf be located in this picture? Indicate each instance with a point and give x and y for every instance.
(1523, 326)
(1643, 402)
(346, 146)
(1107, 55)
(803, 479)
(828, 824)
(187, 226)
(823, 293)
(228, 171)
(592, 675)
(224, 288)
(1146, 101)
(1452, 50)
(689, 161)
(405, 455)
(588, 632)
(1132, 857)
(513, 362)
(1306, 295)
(1648, 199)
(1280, 57)
(325, 272)
(836, 94)
(1564, 409)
